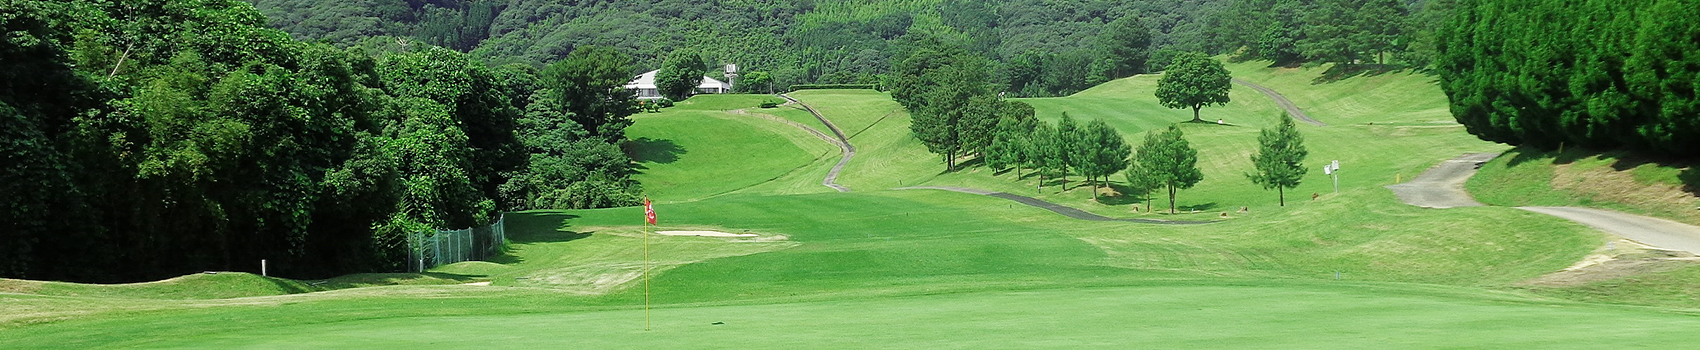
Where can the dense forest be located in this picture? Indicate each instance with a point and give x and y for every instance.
(149, 139)
(795, 42)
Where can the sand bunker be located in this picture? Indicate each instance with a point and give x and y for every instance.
(706, 234)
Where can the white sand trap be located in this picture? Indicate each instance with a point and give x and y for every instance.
(706, 234)
(485, 283)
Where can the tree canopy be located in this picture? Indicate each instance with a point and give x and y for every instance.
(1617, 76)
(1279, 161)
(680, 74)
(186, 136)
(1193, 80)
(1167, 160)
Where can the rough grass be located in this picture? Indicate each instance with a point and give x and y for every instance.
(1616, 181)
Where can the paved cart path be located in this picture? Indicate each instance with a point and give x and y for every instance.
(843, 144)
(1292, 109)
(1442, 187)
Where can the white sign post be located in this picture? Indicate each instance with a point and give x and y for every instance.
(1333, 170)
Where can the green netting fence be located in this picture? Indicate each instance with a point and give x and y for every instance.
(433, 248)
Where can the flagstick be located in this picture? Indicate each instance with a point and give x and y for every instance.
(646, 264)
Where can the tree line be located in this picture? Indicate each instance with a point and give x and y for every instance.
(1346, 32)
(956, 114)
(790, 42)
(1608, 75)
(152, 138)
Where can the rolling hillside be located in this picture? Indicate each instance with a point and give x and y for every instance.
(884, 268)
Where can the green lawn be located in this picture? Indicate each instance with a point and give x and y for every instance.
(689, 153)
(882, 268)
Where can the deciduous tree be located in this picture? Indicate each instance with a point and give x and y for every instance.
(589, 85)
(680, 74)
(1194, 80)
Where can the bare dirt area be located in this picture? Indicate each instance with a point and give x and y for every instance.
(1618, 259)
(706, 234)
(1605, 184)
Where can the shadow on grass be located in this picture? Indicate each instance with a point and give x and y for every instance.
(1340, 72)
(964, 165)
(1200, 207)
(1690, 180)
(395, 279)
(535, 227)
(1687, 174)
(648, 150)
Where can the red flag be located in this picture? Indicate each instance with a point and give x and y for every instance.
(648, 212)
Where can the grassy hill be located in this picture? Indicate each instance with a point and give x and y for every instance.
(882, 268)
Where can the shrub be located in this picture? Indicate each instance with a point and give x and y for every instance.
(834, 86)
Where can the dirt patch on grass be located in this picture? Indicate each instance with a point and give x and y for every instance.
(706, 234)
(1619, 259)
(1605, 184)
(20, 286)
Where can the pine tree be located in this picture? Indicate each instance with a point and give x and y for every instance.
(1043, 140)
(1280, 158)
(1064, 148)
(1167, 160)
(1104, 152)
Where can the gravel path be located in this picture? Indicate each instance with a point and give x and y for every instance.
(1292, 110)
(1442, 187)
(831, 179)
(1053, 207)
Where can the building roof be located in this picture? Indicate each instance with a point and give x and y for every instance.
(647, 81)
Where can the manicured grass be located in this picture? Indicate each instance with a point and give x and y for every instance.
(1182, 314)
(689, 154)
(1404, 141)
(1398, 97)
(878, 268)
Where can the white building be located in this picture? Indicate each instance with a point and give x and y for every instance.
(644, 86)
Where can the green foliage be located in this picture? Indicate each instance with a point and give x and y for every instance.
(188, 137)
(1279, 161)
(949, 98)
(680, 74)
(588, 86)
(1621, 78)
(796, 87)
(755, 82)
(1012, 140)
(1125, 42)
(1193, 80)
(1060, 148)
(1103, 152)
(1350, 31)
(1167, 160)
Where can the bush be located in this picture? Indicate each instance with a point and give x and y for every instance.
(664, 103)
(769, 104)
(834, 86)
